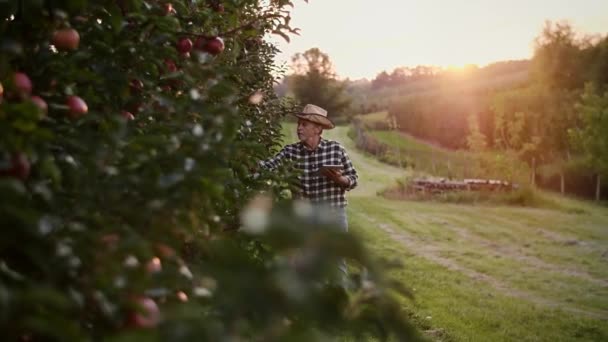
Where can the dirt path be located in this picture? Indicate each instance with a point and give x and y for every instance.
(432, 253)
(374, 175)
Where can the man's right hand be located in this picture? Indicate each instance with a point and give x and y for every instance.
(336, 176)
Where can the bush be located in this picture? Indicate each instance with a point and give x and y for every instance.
(129, 133)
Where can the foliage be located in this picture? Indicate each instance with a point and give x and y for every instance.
(525, 197)
(315, 82)
(476, 141)
(130, 214)
(557, 59)
(591, 137)
(529, 121)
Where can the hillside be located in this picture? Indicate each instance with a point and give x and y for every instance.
(380, 93)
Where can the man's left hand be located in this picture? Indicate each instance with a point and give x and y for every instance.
(336, 176)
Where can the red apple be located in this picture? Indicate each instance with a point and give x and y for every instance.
(19, 168)
(147, 315)
(127, 115)
(38, 101)
(170, 65)
(77, 106)
(22, 83)
(1, 90)
(218, 7)
(66, 39)
(154, 265)
(136, 85)
(182, 296)
(110, 240)
(214, 46)
(165, 251)
(168, 8)
(184, 45)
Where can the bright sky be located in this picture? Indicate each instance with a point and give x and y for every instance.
(364, 37)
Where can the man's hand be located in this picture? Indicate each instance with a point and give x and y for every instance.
(336, 176)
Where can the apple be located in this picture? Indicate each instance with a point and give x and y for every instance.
(22, 83)
(136, 85)
(66, 39)
(147, 315)
(218, 7)
(154, 265)
(184, 45)
(127, 115)
(40, 103)
(77, 106)
(1, 90)
(19, 168)
(110, 240)
(165, 251)
(170, 65)
(214, 46)
(168, 9)
(182, 296)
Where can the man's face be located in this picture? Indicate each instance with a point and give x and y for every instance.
(307, 129)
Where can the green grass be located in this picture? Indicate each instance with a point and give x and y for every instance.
(426, 158)
(374, 117)
(406, 142)
(488, 272)
(289, 133)
(463, 308)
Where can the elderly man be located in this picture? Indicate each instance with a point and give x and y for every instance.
(327, 172)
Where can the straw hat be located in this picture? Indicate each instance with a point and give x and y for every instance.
(317, 115)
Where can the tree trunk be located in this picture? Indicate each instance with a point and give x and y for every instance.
(562, 182)
(398, 153)
(597, 188)
(533, 178)
(449, 170)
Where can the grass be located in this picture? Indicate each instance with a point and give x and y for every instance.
(524, 197)
(395, 138)
(289, 133)
(375, 117)
(488, 272)
(458, 307)
(426, 158)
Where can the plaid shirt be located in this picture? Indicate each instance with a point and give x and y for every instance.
(315, 187)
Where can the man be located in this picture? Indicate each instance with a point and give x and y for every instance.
(324, 187)
(321, 186)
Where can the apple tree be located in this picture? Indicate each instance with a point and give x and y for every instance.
(129, 130)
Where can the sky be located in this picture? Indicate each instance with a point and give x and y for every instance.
(365, 37)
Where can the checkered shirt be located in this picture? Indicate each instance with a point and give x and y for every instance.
(313, 186)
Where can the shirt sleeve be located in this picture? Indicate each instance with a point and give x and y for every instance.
(349, 170)
(273, 163)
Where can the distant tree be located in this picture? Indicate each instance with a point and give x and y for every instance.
(591, 137)
(557, 61)
(315, 82)
(476, 141)
(382, 80)
(597, 57)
